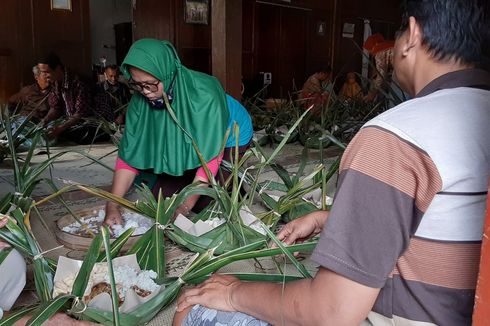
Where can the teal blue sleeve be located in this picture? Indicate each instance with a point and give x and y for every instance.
(240, 116)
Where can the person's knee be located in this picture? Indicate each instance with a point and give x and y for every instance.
(180, 316)
(17, 265)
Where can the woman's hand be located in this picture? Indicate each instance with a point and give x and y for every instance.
(112, 214)
(303, 228)
(214, 293)
(183, 209)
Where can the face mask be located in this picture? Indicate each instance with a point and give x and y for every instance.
(160, 103)
(157, 104)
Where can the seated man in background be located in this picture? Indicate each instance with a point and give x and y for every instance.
(316, 90)
(351, 90)
(32, 100)
(111, 96)
(401, 245)
(69, 99)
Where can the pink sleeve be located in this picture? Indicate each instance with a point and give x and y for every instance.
(213, 166)
(121, 165)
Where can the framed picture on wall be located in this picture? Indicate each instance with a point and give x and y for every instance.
(61, 5)
(196, 11)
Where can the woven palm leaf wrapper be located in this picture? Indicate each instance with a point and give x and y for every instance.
(233, 233)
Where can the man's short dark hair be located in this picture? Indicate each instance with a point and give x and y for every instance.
(113, 67)
(326, 69)
(452, 29)
(52, 60)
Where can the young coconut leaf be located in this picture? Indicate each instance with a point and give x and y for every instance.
(117, 245)
(81, 281)
(4, 253)
(12, 318)
(48, 309)
(114, 296)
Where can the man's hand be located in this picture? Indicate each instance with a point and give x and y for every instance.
(214, 293)
(303, 228)
(55, 132)
(112, 215)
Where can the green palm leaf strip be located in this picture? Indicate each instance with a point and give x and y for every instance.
(114, 296)
(116, 245)
(300, 267)
(162, 218)
(17, 315)
(48, 309)
(81, 281)
(21, 238)
(214, 264)
(4, 253)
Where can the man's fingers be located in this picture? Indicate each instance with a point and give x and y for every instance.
(189, 298)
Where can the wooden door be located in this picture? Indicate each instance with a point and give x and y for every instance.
(13, 52)
(153, 18)
(281, 46)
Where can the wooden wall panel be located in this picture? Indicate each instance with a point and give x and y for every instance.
(293, 51)
(29, 28)
(10, 42)
(384, 17)
(319, 45)
(153, 18)
(248, 40)
(67, 33)
(165, 20)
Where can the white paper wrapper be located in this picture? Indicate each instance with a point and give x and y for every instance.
(199, 228)
(68, 269)
(315, 197)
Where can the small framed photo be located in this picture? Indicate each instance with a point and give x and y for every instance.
(196, 11)
(61, 5)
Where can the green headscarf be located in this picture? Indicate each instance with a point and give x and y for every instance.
(152, 140)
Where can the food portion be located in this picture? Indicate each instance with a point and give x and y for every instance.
(92, 223)
(126, 278)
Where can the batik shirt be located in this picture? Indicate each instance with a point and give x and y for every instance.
(70, 97)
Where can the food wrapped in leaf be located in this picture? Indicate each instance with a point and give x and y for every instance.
(212, 229)
(133, 286)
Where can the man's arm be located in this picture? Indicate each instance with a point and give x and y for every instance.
(327, 299)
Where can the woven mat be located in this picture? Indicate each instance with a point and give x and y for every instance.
(177, 257)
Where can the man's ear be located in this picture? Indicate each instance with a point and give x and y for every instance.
(414, 36)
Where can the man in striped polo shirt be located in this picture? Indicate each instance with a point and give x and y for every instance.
(401, 245)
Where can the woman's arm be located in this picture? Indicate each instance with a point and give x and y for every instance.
(201, 176)
(121, 182)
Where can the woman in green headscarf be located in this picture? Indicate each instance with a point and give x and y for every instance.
(152, 140)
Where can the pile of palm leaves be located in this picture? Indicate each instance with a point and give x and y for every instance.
(235, 242)
(150, 253)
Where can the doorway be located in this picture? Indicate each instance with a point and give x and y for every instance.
(111, 31)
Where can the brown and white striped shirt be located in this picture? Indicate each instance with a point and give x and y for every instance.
(408, 213)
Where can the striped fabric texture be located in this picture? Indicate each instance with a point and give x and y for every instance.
(408, 213)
